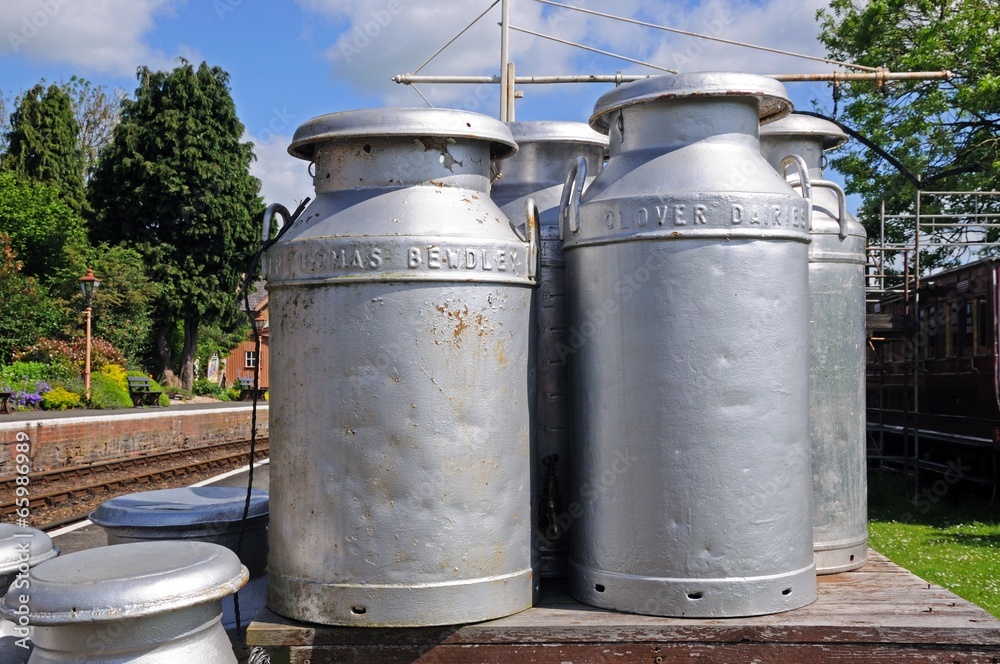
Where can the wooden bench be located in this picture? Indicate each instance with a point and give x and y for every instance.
(247, 390)
(140, 388)
(5, 405)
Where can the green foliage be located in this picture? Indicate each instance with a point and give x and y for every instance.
(945, 131)
(164, 399)
(71, 356)
(117, 373)
(206, 388)
(60, 398)
(17, 373)
(26, 309)
(42, 144)
(107, 393)
(176, 155)
(951, 543)
(41, 225)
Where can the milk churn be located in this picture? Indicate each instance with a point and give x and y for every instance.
(203, 514)
(687, 272)
(836, 346)
(21, 548)
(545, 150)
(400, 305)
(145, 602)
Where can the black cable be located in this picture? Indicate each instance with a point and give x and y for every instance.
(248, 280)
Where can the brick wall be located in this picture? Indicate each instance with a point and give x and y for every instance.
(80, 441)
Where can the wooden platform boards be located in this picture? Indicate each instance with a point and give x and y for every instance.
(881, 613)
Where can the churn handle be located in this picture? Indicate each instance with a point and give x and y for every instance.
(569, 202)
(841, 201)
(533, 227)
(265, 235)
(803, 169)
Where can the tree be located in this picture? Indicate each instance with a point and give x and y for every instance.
(42, 143)
(26, 310)
(946, 132)
(175, 184)
(96, 115)
(41, 225)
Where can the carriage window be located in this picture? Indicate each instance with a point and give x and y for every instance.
(951, 329)
(981, 336)
(927, 332)
(967, 341)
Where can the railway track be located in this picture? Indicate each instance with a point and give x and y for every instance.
(87, 485)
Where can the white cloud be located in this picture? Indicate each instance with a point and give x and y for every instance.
(103, 36)
(284, 179)
(388, 37)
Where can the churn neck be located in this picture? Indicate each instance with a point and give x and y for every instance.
(804, 135)
(393, 147)
(667, 112)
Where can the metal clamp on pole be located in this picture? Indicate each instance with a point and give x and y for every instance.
(569, 202)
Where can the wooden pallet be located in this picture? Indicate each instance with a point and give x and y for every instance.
(881, 613)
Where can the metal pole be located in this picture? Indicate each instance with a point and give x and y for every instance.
(916, 366)
(86, 361)
(511, 92)
(504, 59)
(628, 78)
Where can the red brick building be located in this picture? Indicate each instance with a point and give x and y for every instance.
(241, 360)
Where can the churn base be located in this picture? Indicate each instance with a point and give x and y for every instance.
(411, 605)
(843, 556)
(693, 598)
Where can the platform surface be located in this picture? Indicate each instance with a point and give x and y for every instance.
(881, 613)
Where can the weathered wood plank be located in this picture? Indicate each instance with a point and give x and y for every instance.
(882, 613)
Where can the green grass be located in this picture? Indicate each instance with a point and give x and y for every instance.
(952, 540)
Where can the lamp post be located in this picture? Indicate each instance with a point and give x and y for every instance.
(88, 284)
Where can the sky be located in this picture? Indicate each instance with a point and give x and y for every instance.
(291, 60)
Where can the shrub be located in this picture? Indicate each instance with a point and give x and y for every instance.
(206, 388)
(60, 399)
(24, 372)
(102, 353)
(69, 358)
(118, 373)
(107, 393)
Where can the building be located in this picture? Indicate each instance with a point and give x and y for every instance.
(241, 360)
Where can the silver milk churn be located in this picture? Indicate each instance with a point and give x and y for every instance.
(686, 266)
(142, 603)
(21, 548)
(399, 417)
(836, 345)
(535, 176)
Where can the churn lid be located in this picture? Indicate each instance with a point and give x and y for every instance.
(807, 126)
(774, 100)
(186, 506)
(12, 540)
(555, 131)
(428, 122)
(130, 581)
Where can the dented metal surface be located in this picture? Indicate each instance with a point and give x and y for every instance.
(687, 272)
(546, 149)
(149, 602)
(836, 348)
(400, 305)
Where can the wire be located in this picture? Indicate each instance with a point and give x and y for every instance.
(247, 282)
(438, 52)
(594, 50)
(417, 90)
(701, 36)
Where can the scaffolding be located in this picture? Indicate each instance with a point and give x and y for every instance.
(959, 227)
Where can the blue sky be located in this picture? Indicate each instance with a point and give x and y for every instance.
(290, 60)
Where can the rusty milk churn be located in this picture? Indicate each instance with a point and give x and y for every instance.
(687, 271)
(545, 150)
(399, 421)
(144, 602)
(836, 346)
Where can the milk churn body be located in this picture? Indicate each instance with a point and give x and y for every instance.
(546, 150)
(686, 265)
(142, 603)
(399, 423)
(21, 548)
(836, 349)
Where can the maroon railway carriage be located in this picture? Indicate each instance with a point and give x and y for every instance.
(933, 395)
